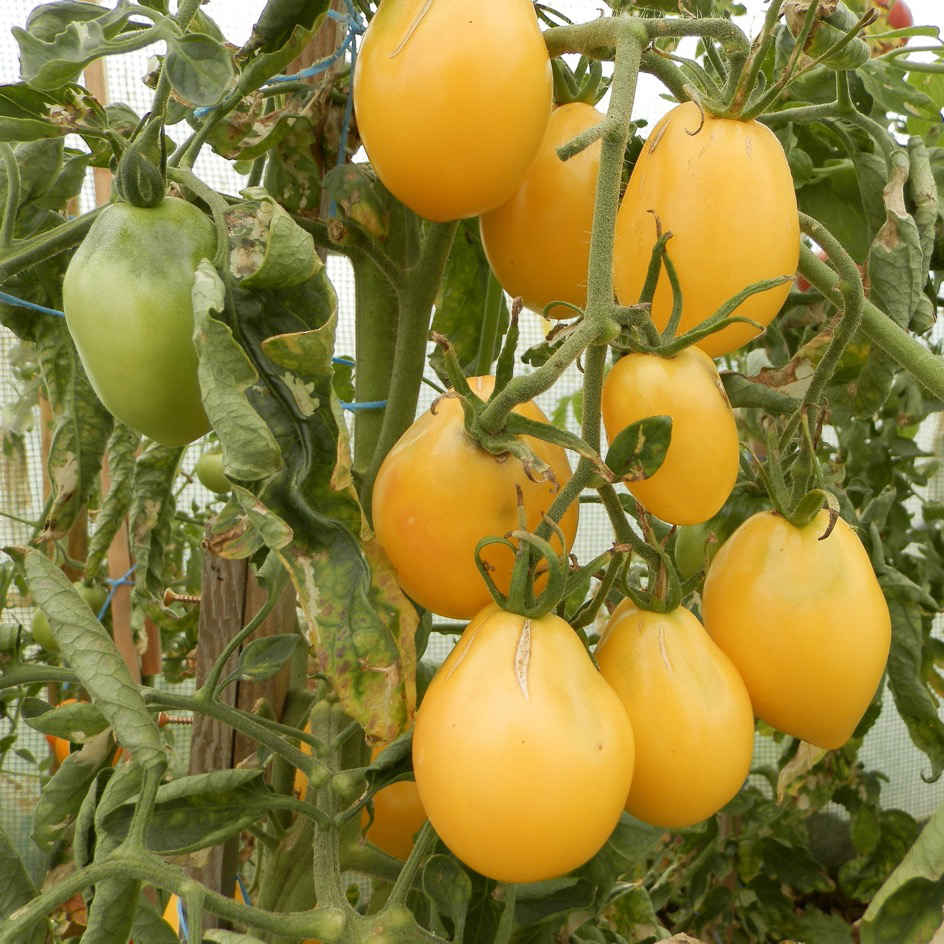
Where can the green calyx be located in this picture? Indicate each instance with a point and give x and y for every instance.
(140, 175)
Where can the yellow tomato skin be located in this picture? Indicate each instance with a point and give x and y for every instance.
(398, 816)
(690, 711)
(804, 621)
(452, 102)
(701, 464)
(726, 195)
(538, 243)
(437, 494)
(523, 754)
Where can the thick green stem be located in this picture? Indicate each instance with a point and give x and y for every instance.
(409, 357)
(375, 328)
(244, 724)
(735, 44)
(325, 922)
(8, 223)
(490, 323)
(666, 72)
(326, 851)
(36, 675)
(598, 326)
(925, 366)
(29, 252)
(853, 298)
(422, 848)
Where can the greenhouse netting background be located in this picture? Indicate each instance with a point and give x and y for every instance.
(887, 749)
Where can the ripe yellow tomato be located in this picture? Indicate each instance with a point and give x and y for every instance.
(437, 494)
(690, 711)
(452, 99)
(538, 243)
(523, 754)
(398, 816)
(804, 621)
(701, 464)
(723, 188)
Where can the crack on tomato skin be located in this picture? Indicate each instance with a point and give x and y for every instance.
(662, 649)
(412, 28)
(523, 658)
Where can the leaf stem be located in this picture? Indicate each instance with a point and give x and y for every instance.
(489, 334)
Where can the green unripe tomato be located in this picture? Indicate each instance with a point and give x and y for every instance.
(93, 595)
(209, 470)
(690, 549)
(127, 301)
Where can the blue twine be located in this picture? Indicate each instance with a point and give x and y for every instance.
(355, 27)
(22, 303)
(114, 584)
(363, 405)
(182, 920)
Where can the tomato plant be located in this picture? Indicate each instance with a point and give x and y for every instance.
(538, 243)
(353, 540)
(126, 295)
(523, 697)
(423, 56)
(803, 618)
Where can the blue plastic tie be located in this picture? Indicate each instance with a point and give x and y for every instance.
(114, 584)
(182, 919)
(22, 303)
(363, 405)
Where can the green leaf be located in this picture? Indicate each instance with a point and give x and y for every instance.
(743, 392)
(198, 811)
(199, 68)
(88, 649)
(460, 306)
(16, 889)
(923, 864)
(150, 926)
(281, 19)
(916, 705)
(639, 450)
(24, 114)
(78, 445)
(250, 451)
(268, 248)
(449, 888)
(111, 913)
(263, 658)
(120, 452)
(911, 914)
(62, 795)
(76, 722)
(626, 849)
(60, 60)
(149, 523)
(48, 20)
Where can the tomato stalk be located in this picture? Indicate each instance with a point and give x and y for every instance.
(416, 295)
(376, 316)
(489, 335)
(28, 252)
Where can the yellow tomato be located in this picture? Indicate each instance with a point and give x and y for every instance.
(437, 494)
(690, 711)
(398, 816)
(523, 754)
(538, 243)
(723, 189)
(452, 100)
(701, 464)
(805, 622)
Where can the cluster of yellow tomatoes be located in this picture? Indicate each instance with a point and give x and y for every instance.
(525, 752)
